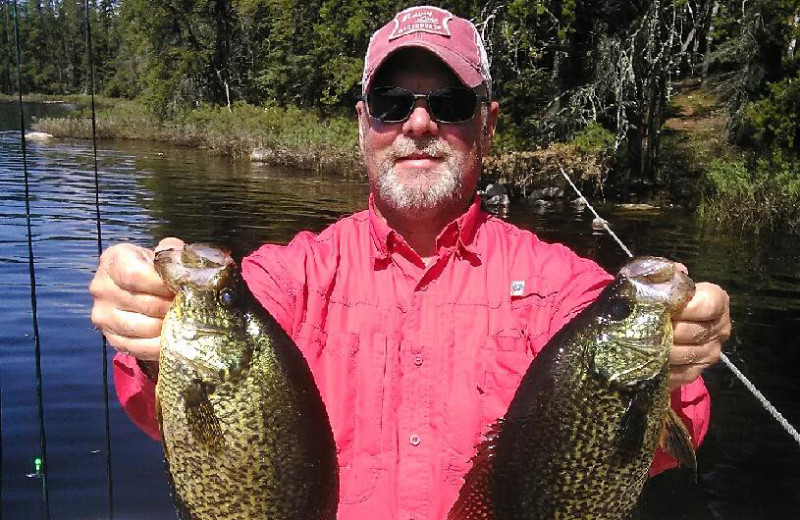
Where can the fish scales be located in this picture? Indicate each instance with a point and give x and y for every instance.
(580, 433)
(244, 429)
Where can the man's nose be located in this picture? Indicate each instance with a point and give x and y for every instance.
(420, 121)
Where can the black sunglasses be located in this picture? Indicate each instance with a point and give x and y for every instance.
(446, 105)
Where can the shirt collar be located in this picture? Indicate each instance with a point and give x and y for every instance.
(457, 235)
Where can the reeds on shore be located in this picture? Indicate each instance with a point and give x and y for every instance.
(291, 136)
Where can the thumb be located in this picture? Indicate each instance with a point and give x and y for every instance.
(170, 243)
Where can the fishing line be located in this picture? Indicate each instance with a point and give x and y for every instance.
(739, 375)
(107, 451)
(32, 273)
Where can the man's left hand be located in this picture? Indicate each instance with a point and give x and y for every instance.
(700, 330)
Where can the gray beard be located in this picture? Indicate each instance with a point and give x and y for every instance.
(430, 190)
(419, 196)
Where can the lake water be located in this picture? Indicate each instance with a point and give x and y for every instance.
(749, 468)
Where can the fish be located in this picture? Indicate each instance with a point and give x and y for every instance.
(244, 430)
(580, 433)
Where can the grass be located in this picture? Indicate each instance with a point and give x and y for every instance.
(754, 195)
(290, 136)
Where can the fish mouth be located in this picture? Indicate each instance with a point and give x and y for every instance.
(199, 266)
(659, 280)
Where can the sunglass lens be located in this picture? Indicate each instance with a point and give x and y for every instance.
(390, 104)
(452, 105)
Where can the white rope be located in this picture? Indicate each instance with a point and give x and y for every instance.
(763, 400)
(601, 220)
(746, 382)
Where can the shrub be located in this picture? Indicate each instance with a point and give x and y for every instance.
(754, 194)
(775, 119)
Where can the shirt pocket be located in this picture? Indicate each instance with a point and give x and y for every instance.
(506, 356)
(353, 375)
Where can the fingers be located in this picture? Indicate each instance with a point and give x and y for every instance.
(145, 349)
(130, 268)
(700, 332)
(126, 324)
(130, 299)
(693, 355)
(709, 302)
(700, 329)
(684, 374)
(170, 243)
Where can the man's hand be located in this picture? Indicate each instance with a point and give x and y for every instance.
(130, 299)
(700, 329)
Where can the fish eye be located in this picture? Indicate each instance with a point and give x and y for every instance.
(619, 309)
(227, 297)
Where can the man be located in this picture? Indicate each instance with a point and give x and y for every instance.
(405, 312)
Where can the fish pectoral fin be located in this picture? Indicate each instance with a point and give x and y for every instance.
(203, 423)
(676, 440)
(632, 426)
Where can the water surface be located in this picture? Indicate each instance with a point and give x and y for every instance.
(748, 467)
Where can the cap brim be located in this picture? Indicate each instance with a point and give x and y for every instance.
(468, 75)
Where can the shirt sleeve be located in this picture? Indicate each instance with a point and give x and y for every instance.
(136, 393)
(577, 282)
(278, 277)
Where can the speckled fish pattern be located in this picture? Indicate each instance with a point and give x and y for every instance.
(245, 432)
(580, 434)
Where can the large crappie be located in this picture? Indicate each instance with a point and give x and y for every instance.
(245, 432)
(581, 431)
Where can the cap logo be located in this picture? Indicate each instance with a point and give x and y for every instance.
(421, 19)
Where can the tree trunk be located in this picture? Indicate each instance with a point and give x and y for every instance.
(709, 39)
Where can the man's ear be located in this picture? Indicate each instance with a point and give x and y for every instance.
(361, 114)
(490, 125)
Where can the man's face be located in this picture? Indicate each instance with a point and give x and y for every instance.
(419, 165)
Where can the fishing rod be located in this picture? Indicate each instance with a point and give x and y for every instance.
(99, 231)
(42, 471)
(738, 373)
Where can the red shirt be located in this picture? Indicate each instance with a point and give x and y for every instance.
(415, 361)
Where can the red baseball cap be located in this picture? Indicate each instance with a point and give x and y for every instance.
(454, 40)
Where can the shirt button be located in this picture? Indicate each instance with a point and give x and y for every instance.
(418, 360)
(415, 440)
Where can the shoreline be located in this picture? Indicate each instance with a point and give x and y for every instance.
(706, 174)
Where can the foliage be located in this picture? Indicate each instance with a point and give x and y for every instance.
(754, 195)
(563, 70)
(540, 168)
(773, 120)
(594, 139)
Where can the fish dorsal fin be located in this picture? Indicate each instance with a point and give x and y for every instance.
(676, 440)
(475, 497)
(203, 422)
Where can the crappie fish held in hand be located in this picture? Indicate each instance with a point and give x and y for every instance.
(245, 432)
(579, 436)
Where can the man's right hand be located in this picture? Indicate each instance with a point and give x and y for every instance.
(130, 299)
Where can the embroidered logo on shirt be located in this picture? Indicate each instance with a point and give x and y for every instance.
(517, 287)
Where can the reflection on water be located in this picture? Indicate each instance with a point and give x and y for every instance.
(747, 466)
(9, 113)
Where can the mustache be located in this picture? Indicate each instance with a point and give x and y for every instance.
(432, 147)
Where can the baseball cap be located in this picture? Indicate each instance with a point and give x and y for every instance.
(454, 40)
